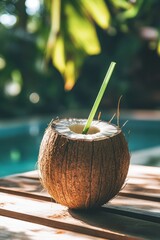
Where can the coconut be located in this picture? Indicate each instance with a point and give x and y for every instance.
(83, 171)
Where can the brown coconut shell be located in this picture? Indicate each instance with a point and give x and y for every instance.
(82, 173)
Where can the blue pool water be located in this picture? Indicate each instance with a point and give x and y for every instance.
(19, 143)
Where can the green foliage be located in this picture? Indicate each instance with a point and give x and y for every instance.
(26, 86)
(74, 24)
(79, 38)
(73, 34)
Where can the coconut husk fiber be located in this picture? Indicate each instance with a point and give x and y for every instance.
(83, 171)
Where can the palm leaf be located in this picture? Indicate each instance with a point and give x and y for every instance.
(73, 34)
(98, 11)
(82, 31)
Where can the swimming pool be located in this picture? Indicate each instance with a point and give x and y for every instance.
(19, 142)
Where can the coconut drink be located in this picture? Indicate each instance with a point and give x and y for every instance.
(83, 163)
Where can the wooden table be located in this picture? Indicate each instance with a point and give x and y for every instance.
(27, 212)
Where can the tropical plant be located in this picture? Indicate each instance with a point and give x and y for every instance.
(80, 38)
(73, 33)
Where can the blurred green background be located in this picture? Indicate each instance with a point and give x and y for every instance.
(54, 55)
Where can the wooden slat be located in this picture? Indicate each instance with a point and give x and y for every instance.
(143, 196)
(139, 170)
(96, 223)
(17, 229)
(26, 194)
(134, 213)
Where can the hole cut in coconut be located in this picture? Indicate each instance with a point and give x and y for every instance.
(77, 128)
(72, 128)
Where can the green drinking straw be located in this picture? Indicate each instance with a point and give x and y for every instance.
(99, 97)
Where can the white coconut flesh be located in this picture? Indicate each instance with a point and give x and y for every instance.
(72, 128)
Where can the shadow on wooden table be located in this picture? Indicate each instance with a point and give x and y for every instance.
(105, 219)
(7, 234)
